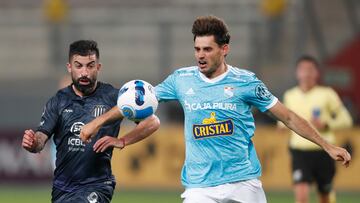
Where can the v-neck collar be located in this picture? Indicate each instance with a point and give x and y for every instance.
(217, 78)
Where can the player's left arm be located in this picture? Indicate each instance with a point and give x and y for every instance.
(144, 129)
(306, 130)
(340, 116)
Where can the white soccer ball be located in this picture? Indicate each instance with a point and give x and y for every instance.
(137, 100)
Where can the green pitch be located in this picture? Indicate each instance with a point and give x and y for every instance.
(35, 194)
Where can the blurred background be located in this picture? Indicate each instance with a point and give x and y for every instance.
(149, 39)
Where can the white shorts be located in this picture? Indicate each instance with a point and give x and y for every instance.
(249, 191)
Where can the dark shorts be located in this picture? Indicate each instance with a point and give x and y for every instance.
(310, 166)
(88, 194)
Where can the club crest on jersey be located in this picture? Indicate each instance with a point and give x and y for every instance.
(210, 127)
(93, 197)
(98, 110)
(228, 91)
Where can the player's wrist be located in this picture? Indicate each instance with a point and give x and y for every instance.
(122, 143)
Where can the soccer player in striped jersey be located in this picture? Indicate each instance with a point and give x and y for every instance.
(83, 171)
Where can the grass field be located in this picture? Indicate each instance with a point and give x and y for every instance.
(41, 194)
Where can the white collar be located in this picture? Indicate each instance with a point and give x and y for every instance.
(217, 78)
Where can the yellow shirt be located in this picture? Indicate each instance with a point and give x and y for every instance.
(319, 101)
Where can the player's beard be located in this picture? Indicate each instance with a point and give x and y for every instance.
(85, 89)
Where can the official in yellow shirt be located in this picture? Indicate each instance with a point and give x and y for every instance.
(322, 107)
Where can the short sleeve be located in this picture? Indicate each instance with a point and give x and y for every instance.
(258, 95)
(49, 117)
(166, 90)
(334, 103)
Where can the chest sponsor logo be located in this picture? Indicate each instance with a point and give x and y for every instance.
(98, 110)
(203, 106)
(210, 127)
(74, 142)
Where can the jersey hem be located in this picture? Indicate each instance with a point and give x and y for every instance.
(220, 182)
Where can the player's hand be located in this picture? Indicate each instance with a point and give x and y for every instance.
(87, 131)
(29, 141)
(340, 154)
(105, 142)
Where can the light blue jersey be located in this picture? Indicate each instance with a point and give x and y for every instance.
(219, 124)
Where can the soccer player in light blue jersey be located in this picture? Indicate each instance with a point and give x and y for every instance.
(221, 163)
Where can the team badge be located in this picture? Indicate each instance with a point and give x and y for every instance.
(98, 110)
(228, 91)
(262, 92)
(93, 197)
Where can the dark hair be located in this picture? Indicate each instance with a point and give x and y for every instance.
(309, 59)
(83, 48)
(211, 25)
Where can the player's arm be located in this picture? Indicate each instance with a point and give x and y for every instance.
(91, 128)
(144, 129)
(34, 141)
(340, 116)
(303, 128)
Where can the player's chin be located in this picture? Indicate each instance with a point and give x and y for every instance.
(203, 69)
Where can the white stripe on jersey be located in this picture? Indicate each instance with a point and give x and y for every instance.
(238, 71)
(187, 68)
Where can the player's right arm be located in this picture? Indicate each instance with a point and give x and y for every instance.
(307, 131)
(34, 142)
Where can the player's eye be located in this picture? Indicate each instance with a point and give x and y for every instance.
(91, 65)
(78, 65)
(207, 49)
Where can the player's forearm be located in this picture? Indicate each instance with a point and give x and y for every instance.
(108, 117)
(305, 129)
(40, 142)
(144, 129)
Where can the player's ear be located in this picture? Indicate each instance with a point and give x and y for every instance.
(99, 66)
(225, 49)
(68, 67)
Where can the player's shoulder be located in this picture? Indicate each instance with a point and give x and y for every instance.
(62, 93)
(292, 90)
(324, 88)
(186, 71)
(107, 87)
(241, 74)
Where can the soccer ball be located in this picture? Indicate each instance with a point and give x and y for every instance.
(137, 100)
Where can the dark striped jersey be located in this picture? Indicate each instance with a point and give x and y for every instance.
(77, 165)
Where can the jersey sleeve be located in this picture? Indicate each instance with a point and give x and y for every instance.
(49, 117)
(340, 117)
(258, 95)
(166, 90)
(334, 103)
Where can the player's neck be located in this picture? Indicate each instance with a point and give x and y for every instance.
(220, 70)
(306, 87)
(80, 93)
